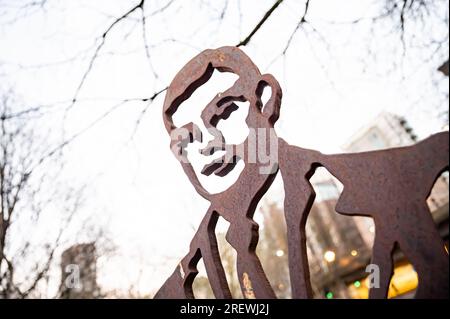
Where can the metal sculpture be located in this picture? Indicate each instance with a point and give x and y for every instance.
(391, 186)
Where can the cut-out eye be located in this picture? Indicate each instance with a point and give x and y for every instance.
(234, 128)
(224, 111)
(191, 109)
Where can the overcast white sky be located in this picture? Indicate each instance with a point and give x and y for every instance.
(331, 87)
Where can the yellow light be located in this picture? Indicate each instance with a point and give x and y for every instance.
(404, 280)
(354, 253)
(280, 253)
(329, 256)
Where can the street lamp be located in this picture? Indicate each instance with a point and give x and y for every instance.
(329, 256)
(280, 253)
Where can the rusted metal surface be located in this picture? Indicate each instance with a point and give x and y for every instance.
(391, 186)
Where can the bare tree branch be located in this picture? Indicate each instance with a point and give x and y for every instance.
(162, 9)
(41, 273)
(25, 193)
(145, 109)
(100, 46)
(224, 10)
(299, 24)
(260, 24)
(146, 47)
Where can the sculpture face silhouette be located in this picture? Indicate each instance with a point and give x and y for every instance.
(238, 203)
(248, 88)
(391, 186)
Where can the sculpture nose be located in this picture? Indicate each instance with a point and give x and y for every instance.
(217, 143)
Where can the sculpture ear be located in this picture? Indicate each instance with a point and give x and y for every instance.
(271, 109)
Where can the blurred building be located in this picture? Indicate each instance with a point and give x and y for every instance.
(385, 131)
(79, 272)
(273, 249)
(336, 247)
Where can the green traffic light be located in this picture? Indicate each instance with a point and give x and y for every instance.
(357, 284)
(329, 295)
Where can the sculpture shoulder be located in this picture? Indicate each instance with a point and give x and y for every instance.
(287, 151)
(290, 156)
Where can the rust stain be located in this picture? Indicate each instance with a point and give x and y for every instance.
(221, 57)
